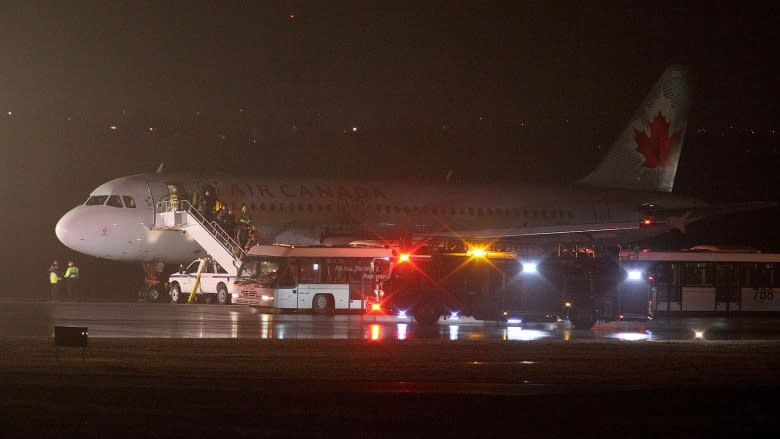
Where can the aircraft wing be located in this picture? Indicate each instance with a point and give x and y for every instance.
(669, 218)
(719, 209)
(510, 232)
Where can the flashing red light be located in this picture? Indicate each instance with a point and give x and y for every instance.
(621, 316)
(404, 257)
(376, 307)
(647, 221)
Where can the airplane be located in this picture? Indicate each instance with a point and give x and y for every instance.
(627, 197)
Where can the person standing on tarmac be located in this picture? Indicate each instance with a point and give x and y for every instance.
(71, 278)
(54, 279)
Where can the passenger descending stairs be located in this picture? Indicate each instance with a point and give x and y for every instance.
(214, 240)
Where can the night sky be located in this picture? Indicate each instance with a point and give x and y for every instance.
(494, 91)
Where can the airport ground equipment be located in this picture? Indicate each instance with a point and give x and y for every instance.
(706, 279)
(310, 278)
(182, 216)
(71, 336)
(203, 280)
(507, 287)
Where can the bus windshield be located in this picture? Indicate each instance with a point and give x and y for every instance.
(261, 269)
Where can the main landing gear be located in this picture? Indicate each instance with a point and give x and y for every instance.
(152, 289)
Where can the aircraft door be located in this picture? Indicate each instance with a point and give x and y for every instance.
(157, 191)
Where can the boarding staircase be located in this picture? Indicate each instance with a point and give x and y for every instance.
(215, 241)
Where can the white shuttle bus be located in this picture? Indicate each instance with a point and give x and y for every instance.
(320, 279)
(706, 278)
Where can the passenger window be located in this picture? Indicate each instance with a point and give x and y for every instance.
(114, 201)
(96, 200)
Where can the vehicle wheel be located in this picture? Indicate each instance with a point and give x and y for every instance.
(223, 298)
(320, 304)
(176, 296)
(427, 313)
(153, 295)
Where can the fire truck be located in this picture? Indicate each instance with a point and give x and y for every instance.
(431, 286)
(507, 287)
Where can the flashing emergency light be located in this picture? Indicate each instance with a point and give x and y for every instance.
(402, 314)
(529, 267)
(376, 307)
(477, 253)
(634, 275)
(404, 257)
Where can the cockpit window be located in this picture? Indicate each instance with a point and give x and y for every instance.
(129, 202)
(114, 201)
(96, 200)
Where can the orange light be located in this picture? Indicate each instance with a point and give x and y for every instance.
(647, 222)
(376, 307)
(477, 252)
(404, 257)
(376, 332)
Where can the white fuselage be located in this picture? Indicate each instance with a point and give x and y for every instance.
(317, 211)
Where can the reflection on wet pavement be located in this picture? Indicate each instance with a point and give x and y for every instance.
(139, 320)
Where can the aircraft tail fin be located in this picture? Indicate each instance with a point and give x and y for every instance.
(646, 154)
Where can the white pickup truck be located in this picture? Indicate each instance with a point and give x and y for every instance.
(216, 285)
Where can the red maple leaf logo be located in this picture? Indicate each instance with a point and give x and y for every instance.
(655, 148)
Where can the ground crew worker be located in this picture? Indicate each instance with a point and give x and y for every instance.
(244, 225)
(71, 278)
(174, 198)
(54, 279)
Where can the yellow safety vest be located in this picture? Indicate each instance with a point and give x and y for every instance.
(72, 273)
(53, 277)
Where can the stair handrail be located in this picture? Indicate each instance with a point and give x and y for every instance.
(212, 227)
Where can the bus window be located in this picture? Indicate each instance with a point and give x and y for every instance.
(309, 270)
(697, 274)
(287, 276)
(335, 270)
(761, 275)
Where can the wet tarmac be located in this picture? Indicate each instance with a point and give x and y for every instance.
(164, 370)
(147, 320)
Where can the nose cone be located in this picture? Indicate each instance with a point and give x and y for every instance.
(67, 229)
